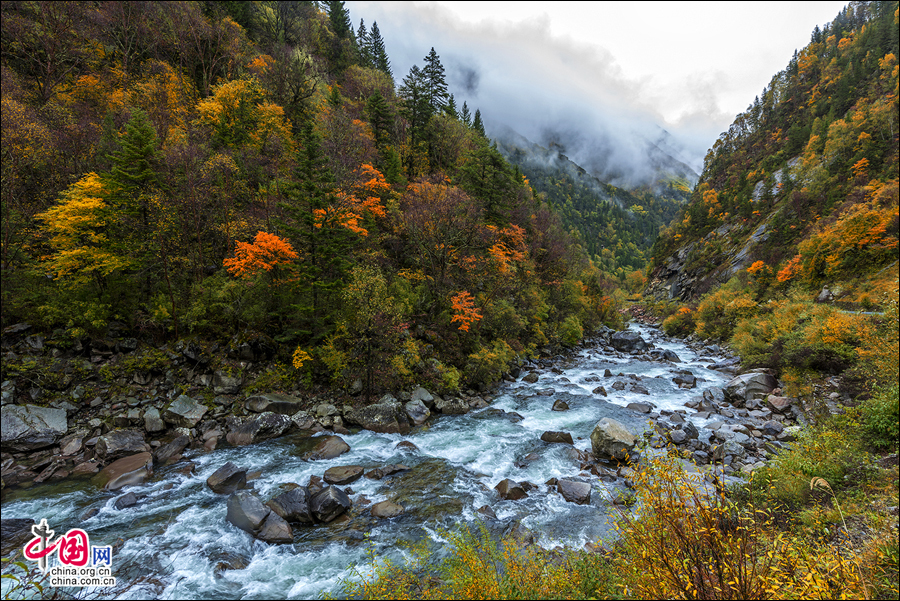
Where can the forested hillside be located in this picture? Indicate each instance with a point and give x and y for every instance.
(805, 180)
(252, 171)
(616, 227)
(788, 248)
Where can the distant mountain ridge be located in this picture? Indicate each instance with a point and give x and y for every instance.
(617, 226)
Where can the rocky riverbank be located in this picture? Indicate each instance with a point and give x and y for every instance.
(727, 430)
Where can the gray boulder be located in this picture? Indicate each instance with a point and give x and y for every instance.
(628, 341)
(152, 421)
(781, 404)
(227, 479)
(125, 501)
(170, 450)
(275, 530)
(328, 447)
(416, 411)
(274, 402)
(224, 383)
(678, 436)
(246, 511)
(263, 427)
(119, 443)
(184, 412)
(386, 509)
(14, 534)
(510, 490)
(611, 439)
(386, 417)
(27, 427)
(329, 503)
(343, 474)
(563, 437)
(749, 386)
(559, 405)
(574, 491)
(714, 394)
(293, 505)
(420, 394)
(452, 406)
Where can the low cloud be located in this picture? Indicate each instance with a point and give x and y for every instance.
(552, 89)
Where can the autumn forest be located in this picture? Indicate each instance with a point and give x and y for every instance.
(250, 170)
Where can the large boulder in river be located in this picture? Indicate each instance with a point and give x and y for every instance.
(184, 412)
(628, 341)
(27, 427)
(119, 443)
(265, 426)
(552, 436)
(328, 447)
(171, 449)
(420, 394)
(387, 417)
(452, 406)
(246, 511)
(510, 490)
(343, 474)
(574, 491)
(417, 412)
(275, 530)
(125, 472)
(274, 402)
(749, 386)
(227, 479)
(610, 439)
(293, 505)
(329, 503)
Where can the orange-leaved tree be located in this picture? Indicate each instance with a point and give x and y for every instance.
(267, 253)
(464, 310)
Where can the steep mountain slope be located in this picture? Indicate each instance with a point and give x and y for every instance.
(617, 227)
(805, 180)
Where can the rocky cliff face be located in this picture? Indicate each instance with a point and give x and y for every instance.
(698, 266)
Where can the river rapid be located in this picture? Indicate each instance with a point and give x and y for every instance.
(175, 542)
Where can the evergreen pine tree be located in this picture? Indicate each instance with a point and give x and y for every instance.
(465, 115)
(450, 109)
(380, 118)
(436, 84)
(487, 177)
(379, 54)
(131, 182)
(415, 105)
(134, 165)
(340, 48)
(324, 250)
(477, 125)
(364, 45)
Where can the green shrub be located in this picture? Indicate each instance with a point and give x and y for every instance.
(570, 331)
(881, 416)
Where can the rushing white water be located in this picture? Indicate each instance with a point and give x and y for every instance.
(171, 542)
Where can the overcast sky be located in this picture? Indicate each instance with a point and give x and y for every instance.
(601, 70)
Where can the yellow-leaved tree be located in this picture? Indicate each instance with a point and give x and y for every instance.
(76, 227)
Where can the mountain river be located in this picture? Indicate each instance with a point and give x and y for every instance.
(173, 542)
